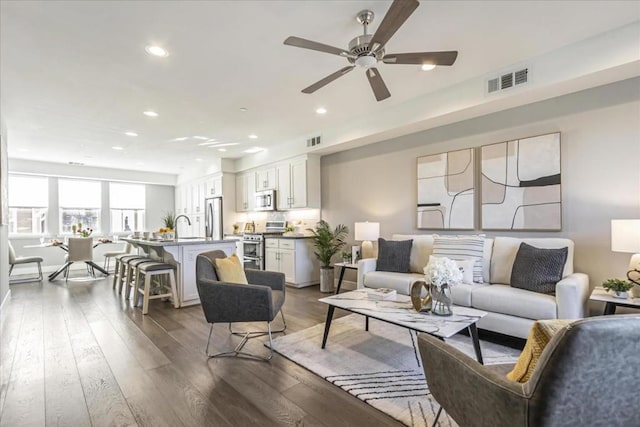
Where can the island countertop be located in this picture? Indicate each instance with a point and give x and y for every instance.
(177, 242)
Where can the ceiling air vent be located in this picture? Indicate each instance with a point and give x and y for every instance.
(507, 80)
(76, 163)
(312, 142)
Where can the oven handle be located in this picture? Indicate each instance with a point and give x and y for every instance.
(252, 258)
(251, 242)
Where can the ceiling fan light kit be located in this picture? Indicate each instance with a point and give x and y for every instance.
(367, 50)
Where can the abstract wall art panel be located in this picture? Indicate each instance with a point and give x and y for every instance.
(520, 187)
(446, 190)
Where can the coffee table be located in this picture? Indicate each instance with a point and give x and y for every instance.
(400, 312)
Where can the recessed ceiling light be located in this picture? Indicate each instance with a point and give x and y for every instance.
(131, 134)
(321, 110)
(156, 51)
(427, 67)
(183, 138)
(244, 109)
(228, 144)
(253, 150)
(207, 143)
(253, 136)
(117, 148)
(204, 138)
(222, 149)
(198, 160)
(150, 114)
(212, 140)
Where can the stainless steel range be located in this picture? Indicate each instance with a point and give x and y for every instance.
(253, 244)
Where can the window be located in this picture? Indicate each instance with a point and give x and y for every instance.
(28, 202)
(127, 207)
(79, 203)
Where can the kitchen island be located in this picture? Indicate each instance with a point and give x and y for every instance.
(182, 253)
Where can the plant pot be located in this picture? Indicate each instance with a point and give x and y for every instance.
(619, 294)
(326, 279)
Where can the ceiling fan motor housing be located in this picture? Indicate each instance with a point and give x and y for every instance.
(359, 47)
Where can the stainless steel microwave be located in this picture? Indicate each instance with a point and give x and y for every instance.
(266, 200)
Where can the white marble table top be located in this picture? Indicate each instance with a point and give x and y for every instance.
(400, 312)
(600, 294)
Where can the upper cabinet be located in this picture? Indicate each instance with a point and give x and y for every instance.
(213, 187)
(266, 179)
(190, 196)
(245, 191)
(298, 183)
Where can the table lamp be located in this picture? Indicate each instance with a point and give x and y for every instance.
(625, 237)
(366, 232)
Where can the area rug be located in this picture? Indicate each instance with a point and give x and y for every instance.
(378, 367)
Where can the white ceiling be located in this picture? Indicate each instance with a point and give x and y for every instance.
(74, 76)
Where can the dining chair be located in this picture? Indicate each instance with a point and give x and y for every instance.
(14, 260)
(80, 250)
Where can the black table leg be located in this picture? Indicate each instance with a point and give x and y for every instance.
(327, 325)
(366, 323)
(473, 331)
(60, 270)
(609, 308)
(97, 267)
(340, 280)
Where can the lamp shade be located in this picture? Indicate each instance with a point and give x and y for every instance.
(625, 235)
(367, 231)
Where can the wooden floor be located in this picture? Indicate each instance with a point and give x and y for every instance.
(77, 354)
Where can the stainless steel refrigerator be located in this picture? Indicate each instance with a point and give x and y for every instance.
(213, 218)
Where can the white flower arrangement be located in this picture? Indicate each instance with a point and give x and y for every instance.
(442, 271)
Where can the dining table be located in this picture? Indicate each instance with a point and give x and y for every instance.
(65, 247)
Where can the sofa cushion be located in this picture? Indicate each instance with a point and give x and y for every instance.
(513, 301)
(393, 255)
(461, 293)
(420, 250)
(401, 282)
(505, 250)
(538, 270)
(462, 248)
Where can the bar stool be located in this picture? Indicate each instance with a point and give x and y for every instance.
(133, 275)
(156, 270)
(128, 247)
(119, 275)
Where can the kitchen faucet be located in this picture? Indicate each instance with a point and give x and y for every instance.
(175, 222)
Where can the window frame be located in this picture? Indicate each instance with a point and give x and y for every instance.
(46, 208)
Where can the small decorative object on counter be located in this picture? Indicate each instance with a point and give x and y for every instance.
(617, 288)
(84, 232)
(236, 228)
(441, 274)
(419, 303)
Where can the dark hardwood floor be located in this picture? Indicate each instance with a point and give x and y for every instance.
(77, 354)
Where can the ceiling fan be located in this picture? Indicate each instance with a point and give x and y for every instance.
(367, 50)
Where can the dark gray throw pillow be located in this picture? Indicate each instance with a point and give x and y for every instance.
(393, 255)
(538, 270)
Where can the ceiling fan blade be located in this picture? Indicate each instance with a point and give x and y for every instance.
(377, 84)
(331, 77)
(309, 44)
(435, 58)
(399, 11)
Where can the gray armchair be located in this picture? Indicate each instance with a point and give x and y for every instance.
(259, 301)
(587, 375)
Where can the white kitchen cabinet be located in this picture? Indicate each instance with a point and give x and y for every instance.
(266, 179)
(245, 192)
(213, 187)
(197, 191)
(294, 258)
(298, 184)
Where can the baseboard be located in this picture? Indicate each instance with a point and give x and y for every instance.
(5, 300)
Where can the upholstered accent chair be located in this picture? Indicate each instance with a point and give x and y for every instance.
(587, 375)
(80, 250)
(259, 301)
(16, 260)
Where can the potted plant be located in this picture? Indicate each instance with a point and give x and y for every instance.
(346, 257)
(617, 288)
(328, 242)
(169, 220)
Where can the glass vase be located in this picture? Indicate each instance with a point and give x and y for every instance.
(441, 300)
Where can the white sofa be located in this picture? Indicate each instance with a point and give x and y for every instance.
(511, 311)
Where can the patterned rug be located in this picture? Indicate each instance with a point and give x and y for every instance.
(378, 367)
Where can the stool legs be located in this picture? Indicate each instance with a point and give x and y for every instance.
(143, 283)
(147, 293)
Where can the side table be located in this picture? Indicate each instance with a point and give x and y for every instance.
(343, 267)
(600, 294)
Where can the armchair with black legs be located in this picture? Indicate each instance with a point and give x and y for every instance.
(258, 301)
(586, 376)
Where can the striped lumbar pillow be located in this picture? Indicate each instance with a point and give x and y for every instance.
(461, 248)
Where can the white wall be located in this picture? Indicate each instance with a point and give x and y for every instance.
(4, 247)
(600, 169)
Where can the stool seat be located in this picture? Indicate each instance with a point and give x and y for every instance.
(114, 253)
(137, 262)
(156, 266)
(128, 258)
